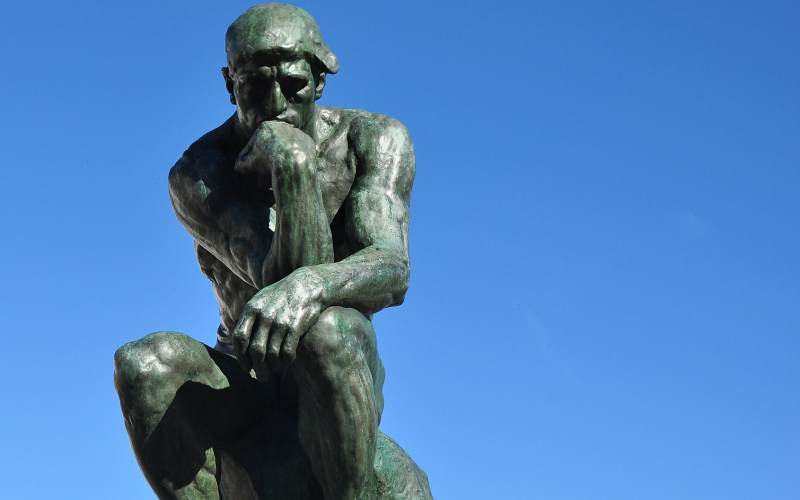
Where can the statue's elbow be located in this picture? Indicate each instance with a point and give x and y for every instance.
(181, 176)
(399, 295)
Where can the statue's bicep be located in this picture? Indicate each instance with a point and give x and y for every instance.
(378, 205)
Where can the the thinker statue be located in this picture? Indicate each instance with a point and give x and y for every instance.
(300, 218)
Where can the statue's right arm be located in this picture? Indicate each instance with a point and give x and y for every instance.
(230, 226)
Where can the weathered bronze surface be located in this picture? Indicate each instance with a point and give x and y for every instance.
(300, 220)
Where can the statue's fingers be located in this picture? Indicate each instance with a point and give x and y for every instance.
(241, 339)
(289, 348)
(274, 347)
(244, 362)
(248, 148)
(258, 348)
(243, 164)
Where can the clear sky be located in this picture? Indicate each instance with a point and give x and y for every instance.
(605, 295)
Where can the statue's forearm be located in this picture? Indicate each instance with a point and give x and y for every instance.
(369, 280)
(302, 235)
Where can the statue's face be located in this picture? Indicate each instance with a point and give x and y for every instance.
(274, 87)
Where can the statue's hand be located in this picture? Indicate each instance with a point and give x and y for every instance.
(273, 322)
(274, 147)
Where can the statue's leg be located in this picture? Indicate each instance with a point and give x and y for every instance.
(340, 400)
(179, 397)
(339, 375)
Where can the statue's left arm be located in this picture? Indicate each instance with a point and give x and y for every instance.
(376, 275)
(377, 216)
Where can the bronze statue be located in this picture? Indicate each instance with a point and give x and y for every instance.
(300, 218)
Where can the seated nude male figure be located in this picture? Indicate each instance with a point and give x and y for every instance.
(300, 218)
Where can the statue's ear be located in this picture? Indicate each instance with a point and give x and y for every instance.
(320, 85)
(228, 83)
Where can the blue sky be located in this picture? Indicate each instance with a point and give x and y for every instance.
(605, 236)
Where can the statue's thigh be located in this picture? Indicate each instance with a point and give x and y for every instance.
(241, 403)
(169, 373)
(343, 339)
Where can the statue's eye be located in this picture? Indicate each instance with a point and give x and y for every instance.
(253, 82)
(292, 85)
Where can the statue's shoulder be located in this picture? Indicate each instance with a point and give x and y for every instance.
(381, 148)
(197, 172)
(201, 160)
(209, 150)
(367, 133)
(378, 141)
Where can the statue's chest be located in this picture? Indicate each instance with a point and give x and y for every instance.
(336, 167)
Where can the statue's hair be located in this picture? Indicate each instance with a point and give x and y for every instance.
(280, 27)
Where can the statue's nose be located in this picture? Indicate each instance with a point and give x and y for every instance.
(277, 102)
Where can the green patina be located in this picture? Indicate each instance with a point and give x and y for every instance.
(300, 217)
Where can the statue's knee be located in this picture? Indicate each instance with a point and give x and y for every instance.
(151, 359)
(334, 340)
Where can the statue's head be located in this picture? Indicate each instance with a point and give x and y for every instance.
(277, 63)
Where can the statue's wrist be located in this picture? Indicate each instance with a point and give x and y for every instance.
(312, 285)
